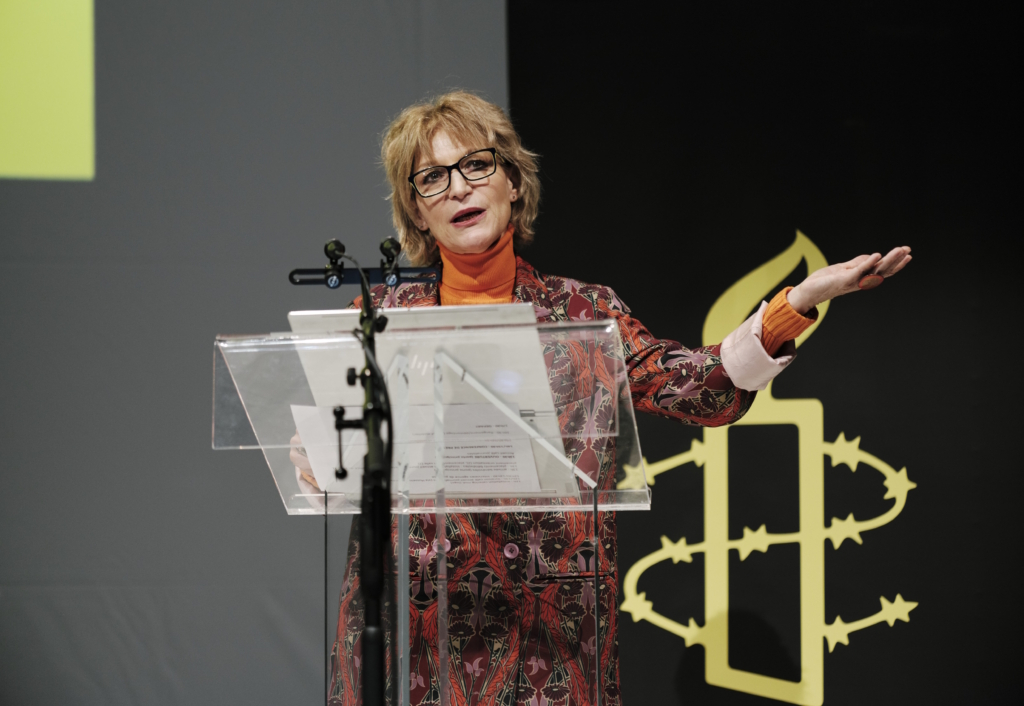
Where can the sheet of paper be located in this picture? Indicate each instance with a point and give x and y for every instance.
(486, 454)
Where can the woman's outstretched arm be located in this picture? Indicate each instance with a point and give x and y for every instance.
(715, 385)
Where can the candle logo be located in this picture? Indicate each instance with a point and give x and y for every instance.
(711, 455)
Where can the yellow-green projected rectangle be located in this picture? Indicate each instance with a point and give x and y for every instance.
(47, 123)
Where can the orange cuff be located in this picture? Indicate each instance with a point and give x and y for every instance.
(782, 323)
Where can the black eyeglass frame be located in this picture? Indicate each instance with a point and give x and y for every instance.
(455, 167)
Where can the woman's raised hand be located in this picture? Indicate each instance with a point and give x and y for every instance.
(845, 277)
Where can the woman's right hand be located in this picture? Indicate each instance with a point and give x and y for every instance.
(846, 277)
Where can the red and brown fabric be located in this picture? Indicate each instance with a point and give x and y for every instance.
(520, 585)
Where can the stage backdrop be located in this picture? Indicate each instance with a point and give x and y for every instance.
(163, 165)
(853, 539)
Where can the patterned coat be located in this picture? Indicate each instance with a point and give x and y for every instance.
(520, 585)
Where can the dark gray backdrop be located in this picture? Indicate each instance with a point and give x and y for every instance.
(725, 127)
(233, 139)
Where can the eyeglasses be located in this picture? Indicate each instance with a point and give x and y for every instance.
(473, 167)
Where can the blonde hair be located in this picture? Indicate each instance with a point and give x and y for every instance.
(474, 122)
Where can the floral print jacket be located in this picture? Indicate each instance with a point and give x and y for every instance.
(520, 585)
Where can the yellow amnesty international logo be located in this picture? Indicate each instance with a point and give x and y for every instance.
(712, 454)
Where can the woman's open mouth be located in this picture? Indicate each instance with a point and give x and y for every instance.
(468, 216)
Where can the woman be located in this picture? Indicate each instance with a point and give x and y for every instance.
(465, 193)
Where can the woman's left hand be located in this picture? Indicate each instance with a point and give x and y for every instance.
(845, 277)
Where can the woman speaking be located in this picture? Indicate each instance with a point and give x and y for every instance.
(465, 194)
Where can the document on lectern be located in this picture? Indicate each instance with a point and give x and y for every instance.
(485, 453)
(502, 436)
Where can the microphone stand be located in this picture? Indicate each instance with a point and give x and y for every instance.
(375, 503)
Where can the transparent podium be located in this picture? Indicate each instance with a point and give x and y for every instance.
(518, 419)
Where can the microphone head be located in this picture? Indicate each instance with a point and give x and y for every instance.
(391, 248)
(334, 249)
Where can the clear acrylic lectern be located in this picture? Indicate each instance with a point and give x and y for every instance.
(487, 419)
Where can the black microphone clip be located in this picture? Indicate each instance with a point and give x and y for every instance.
(391, 249)
(334, 272)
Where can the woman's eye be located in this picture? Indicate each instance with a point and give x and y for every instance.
(432, 176)
(474, 165)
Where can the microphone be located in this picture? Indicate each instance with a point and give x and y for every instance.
(391, 249)
(334, 249)
(333, 273)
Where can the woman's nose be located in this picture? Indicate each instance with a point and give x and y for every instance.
(459, 185)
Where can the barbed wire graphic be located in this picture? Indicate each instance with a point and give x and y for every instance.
(841, 452)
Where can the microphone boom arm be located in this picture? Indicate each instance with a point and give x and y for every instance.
(375, 275)
(334, 274)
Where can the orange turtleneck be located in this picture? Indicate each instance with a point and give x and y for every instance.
(479, 278)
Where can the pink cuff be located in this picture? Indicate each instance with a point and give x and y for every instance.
(745, 360)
